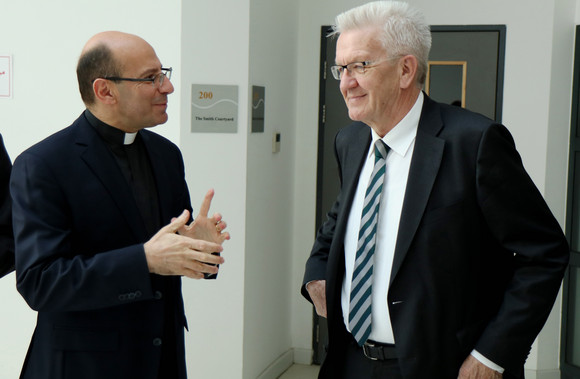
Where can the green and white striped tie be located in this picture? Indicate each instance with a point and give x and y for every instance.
(361, 287)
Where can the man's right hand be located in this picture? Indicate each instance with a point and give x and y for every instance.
(317, 291)
(169, 253)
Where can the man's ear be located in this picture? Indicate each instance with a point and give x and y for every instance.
(409, 66)
(104, 90)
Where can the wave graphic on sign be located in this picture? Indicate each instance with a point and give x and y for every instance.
(214, 104)
(260, 102)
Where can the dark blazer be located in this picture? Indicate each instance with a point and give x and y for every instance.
(479, 257)
(80, 260)
(6, 233)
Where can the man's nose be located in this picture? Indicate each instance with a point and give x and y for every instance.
(347, 80)
(166, 87)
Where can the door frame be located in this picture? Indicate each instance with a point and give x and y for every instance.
(319, 332)
(568, 370)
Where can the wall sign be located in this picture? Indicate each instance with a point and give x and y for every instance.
(214, 108)
(5, 76)
(258, 107)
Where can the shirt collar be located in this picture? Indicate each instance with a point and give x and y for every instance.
(110, 134)
(401, 137)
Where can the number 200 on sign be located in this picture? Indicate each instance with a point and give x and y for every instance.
(205, 95)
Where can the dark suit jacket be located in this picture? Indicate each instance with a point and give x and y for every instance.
(6, 233)
(80, 260)
(456, 283)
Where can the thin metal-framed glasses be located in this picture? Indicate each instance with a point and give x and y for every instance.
(352, 68)
(356, 68)
(156, 81)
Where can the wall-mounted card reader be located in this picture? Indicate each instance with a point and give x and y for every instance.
(276, 143)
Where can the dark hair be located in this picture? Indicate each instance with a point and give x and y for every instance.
(95, 63)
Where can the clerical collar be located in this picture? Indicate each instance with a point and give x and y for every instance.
(111, 135)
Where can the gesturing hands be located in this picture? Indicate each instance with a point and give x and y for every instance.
(181, 249)
(204, 228)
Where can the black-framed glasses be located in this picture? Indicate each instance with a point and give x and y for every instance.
(156, 81)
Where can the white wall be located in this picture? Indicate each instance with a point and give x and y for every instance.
(536, 109)
(214, 45)
(45, 39)
(270, 178)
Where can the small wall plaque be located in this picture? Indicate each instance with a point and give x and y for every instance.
(5, 76)
(258, 109)
(214, 108)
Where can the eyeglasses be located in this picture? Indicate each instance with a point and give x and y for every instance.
(355, 68)
(156, 81)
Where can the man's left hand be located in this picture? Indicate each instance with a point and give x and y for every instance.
(206, 228)
(474, 369)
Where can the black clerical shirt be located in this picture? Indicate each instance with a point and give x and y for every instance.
(131, 155)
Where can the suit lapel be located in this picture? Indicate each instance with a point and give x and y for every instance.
(161, 176)
(425, 165)
(352, 155)
(353, 162)
(99, 159)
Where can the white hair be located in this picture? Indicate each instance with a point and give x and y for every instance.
(404, 29)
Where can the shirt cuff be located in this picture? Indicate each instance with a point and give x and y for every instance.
(487, 362)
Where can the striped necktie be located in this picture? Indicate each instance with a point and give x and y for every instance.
(361, 287)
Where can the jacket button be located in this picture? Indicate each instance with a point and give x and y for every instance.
(158, 295)
(157, 342)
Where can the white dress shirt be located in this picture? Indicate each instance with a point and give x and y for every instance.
(401, 141)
